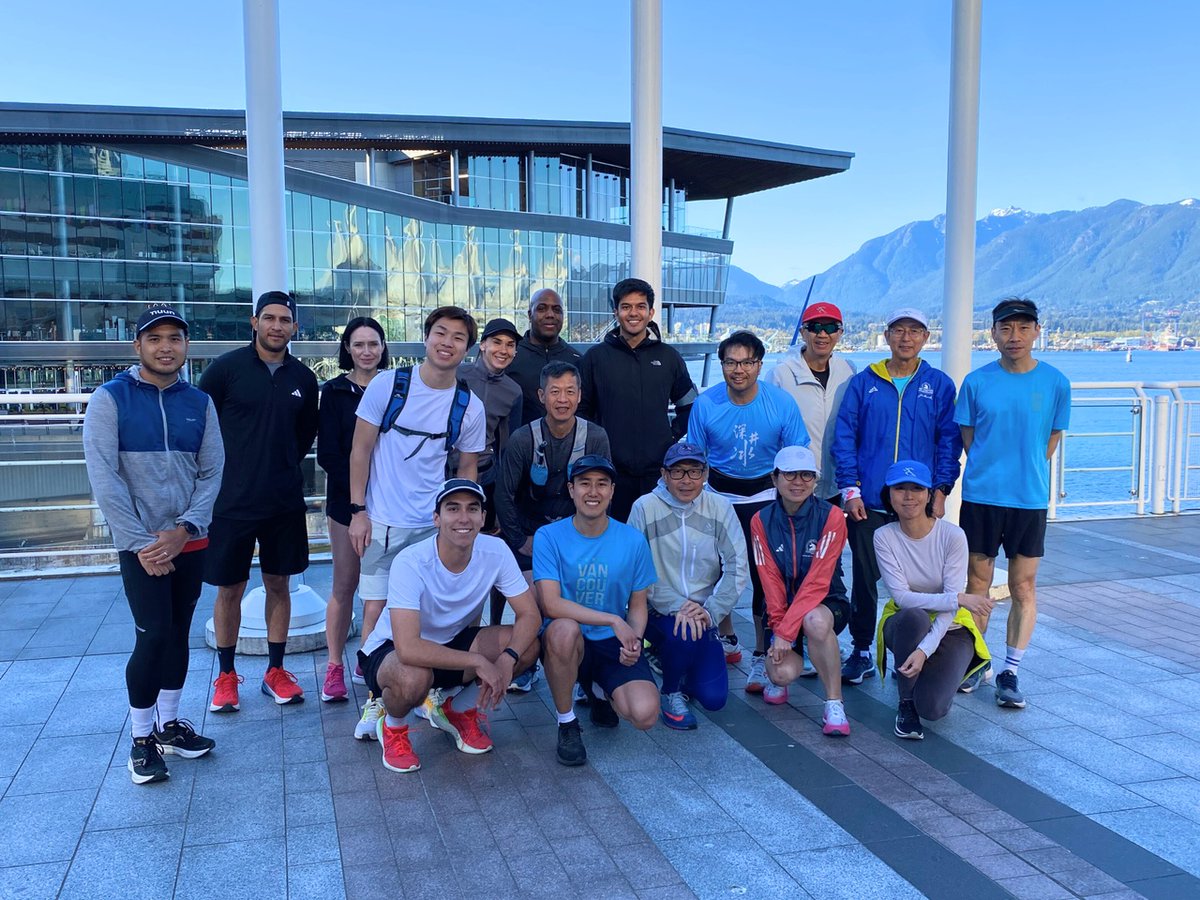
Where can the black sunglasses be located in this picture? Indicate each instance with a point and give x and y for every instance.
(823, 327)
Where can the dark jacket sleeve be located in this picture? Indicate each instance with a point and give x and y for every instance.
(514, 463)
(306, 423)
(947, 437)
(683, 395)
(332, 445)
(212, 382)
(588, 408)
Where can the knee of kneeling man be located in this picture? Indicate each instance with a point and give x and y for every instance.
(644, 719)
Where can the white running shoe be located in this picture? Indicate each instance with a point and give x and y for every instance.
(372, 712)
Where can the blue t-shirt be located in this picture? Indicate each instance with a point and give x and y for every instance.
(742, 441)
(901, 382)
(599, 573)
(1013, 415)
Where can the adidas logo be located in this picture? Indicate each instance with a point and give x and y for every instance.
(872, 389)
(656, 362)
(296, 393)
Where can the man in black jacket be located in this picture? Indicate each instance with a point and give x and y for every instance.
(541, 345)
(266, 402)
(629, 382)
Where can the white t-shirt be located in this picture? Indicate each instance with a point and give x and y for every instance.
(448, 603)
(401, 491)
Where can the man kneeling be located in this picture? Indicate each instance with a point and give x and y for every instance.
(592, 574)
(429, 639)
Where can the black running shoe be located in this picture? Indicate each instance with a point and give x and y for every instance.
(603, 715)
(180, 738)
(856, 668)
(908, 723)
(146, 761)
(1008, 695)
(571, 751)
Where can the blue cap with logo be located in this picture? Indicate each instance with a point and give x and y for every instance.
(593, 462)
(684, 452)
(908, 471)
(453, 486)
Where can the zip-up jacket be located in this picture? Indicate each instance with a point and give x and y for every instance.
(876, 426)
(799, 559)
(154, 457)
(268, 424)
(526, 370)
(335, 438)
(502, 400)
(698, 548)
(629, 390)
(818, 405)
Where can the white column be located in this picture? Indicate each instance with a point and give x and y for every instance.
(264, 146)
(645, 150)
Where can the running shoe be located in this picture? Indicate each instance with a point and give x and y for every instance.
(1008, 694)
(603, 715)
(397, 749)
(146, 763)
(280, 685)
(675, 714)
(857, 668)
(581, 696)
(652, 660)
(372, 714)
(357, 675)
(462, 726)
(775, 694)
(808, 671)
(980, 676)
(571, 751)
(908, 723)
(225, 693)
(432, 701)
(733, 649)
(834, 720)
(757, 681)
(334, 688)
(524, 682)
(180, 738)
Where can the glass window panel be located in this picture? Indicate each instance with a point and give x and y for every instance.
(301, 211)
(302, 249)
(12, 235)
(241, 206)
(198, 176)
(10, 156)
(222, 205)
(321, 214)
(241, 246)
(84, 192)
(134, 206)
(38, 236)
(36, 188)
(41, 278)
(155, 170)
(242, 283)
(322, 250)
(219, 180)
(36, 156)
(89, 280)
(10, 192)
(176, 173)
(158, 201)
(16, 276)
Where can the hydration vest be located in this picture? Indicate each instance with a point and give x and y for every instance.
(539, 449)
(454, 423)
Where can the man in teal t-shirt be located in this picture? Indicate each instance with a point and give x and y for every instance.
(1012, 413)
(592, 575)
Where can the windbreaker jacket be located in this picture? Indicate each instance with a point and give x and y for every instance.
(628, 392)
(799, 559)
(501, 398)
(876, 426)
(526, 370)
(698, 548)
(154, 457)
(335, 438)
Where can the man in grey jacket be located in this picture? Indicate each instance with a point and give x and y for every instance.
(154, 457)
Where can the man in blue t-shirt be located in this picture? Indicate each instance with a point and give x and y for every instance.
(1012, 413)
(592, 575)
(741, 425)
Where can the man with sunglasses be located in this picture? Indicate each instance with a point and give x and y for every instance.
(898, 408)
(741, 425)
(816, 379)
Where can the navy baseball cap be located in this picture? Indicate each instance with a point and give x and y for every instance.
(275, 297)
(684, 452)
(500, 326)
(908, 471)
(159, 315)
(1012, 308)
(454, 485)
(593, 462)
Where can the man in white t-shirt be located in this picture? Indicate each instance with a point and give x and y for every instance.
(401, 445)
(430, 639)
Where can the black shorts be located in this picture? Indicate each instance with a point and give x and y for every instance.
(442, 678)
(841, 615)
(601, 664)
(1022, 532)
(282, 547)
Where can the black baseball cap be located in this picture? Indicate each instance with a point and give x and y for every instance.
(1012, 308)
(159, 315)
(283, 298)
(593, 462)
(500, 326)
(454, 485)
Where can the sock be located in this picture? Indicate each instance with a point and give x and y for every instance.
(168, 706)
(866, 653)
(275, 654)
(1012, 658)
(395, 721)
(760, 653)
(225, 658)
(143, 721)
(466, 698)
(564, 718)
(598, 692)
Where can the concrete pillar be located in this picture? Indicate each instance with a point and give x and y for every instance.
(645, 150)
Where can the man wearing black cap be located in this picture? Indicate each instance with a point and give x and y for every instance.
(541, 345)
(266, 400)
(1012, 413)
(154, 458)
(429, 637)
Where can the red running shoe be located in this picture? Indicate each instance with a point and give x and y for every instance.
(463, 727)
(398, 753)
(225, 693)
(280, 685)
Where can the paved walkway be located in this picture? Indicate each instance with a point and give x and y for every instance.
(1094, 790)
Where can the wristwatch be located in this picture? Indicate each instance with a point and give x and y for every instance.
(945, 488)
(516, 657)
(356, 508)
(187, 526)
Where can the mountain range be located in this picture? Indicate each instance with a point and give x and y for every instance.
(1090, 269)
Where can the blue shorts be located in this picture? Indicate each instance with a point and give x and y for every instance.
(601, 664)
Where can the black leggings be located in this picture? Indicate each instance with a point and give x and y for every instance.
(162, 608)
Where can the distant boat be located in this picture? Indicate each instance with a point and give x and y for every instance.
(1129, 355)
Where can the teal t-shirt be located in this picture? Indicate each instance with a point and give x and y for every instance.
(1013, 415)
(901, 382)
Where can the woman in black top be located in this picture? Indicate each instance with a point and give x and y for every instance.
(363, 351)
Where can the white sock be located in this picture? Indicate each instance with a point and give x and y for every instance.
(168, 706)
(564, 718)
(866, 653)
(466, 698)
(394, 722)
(1012, 658)
(143, 721)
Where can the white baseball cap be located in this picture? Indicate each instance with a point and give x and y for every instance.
(796, 459)
(908, 312)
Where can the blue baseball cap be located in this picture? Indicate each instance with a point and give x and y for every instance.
(454, 485)
(908, 471)
(593, 462)
(684, 452)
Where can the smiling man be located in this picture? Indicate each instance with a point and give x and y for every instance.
(266, 401)
(541, 345)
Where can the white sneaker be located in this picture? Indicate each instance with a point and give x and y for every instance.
(834, 720)
(757, 681)
(372, 712)
(432, 701)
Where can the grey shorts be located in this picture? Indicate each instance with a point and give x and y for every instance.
(386, 542)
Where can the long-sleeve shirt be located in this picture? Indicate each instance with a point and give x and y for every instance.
(335, 439)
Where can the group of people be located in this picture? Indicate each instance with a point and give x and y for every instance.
(620, 514)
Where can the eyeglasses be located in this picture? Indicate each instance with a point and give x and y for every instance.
(806, 477)
(823, 327)
(908, 332)
(680, 474)
(740, 363)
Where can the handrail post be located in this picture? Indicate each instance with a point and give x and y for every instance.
(1055, 462)
(1159, 457)
(1178, 481)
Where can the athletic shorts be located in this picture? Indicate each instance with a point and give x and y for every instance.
(601, 664)
(442, 678)
(841, 615)
(376, 565)
(282, 547)
(1022, 532)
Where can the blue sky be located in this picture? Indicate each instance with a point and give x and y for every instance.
(1082, 102)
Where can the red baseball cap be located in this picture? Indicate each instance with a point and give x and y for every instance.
(821, 311)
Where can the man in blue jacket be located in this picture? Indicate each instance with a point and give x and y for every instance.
(898, 408)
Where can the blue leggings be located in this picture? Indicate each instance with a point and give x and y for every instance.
(699, 666)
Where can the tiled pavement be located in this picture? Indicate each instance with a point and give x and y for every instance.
(1094, 790)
